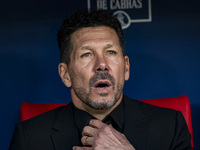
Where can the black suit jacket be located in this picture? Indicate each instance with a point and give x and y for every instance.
(146, 127)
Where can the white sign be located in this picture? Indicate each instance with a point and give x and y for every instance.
(126, 11)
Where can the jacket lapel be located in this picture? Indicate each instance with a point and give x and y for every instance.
(65, 133)
(64, 129)
(136, 126)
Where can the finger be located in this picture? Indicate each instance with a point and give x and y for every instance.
(87, 141)
(77, 148)
(88, 131)
(81, 148)
(96, 123)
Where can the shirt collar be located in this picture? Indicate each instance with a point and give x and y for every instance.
(82, 118)
(118, 115)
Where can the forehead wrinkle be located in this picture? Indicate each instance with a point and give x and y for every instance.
(87, 47)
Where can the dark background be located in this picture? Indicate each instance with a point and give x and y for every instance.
(164, 56)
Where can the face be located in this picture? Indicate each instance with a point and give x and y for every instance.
(97, 70)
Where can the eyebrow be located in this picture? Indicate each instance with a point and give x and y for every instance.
(86, 48)
(108, 46)
(89, 48)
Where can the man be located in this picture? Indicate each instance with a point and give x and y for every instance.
(94, 67)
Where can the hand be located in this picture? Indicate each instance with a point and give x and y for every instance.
(100, 136)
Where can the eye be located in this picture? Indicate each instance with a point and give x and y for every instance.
(86, 55)
(111, 52)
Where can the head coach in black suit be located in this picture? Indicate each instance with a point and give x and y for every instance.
(100, 117)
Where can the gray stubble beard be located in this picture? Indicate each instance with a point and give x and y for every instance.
(85, 96)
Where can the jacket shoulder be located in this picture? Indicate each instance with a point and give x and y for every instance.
(160, 121)
(148, 109)
(45, 120)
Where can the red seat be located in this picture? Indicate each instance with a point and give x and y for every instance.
(29, 110)
(181, 103)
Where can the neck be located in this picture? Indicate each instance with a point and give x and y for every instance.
(99, 114)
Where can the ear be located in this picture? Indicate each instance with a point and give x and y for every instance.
(64, 74)
(127, 68)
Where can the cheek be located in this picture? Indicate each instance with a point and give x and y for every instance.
(119, 73)
(81, 77)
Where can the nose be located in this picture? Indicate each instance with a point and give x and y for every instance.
(101, 64)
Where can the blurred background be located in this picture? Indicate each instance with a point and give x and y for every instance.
(164, 53)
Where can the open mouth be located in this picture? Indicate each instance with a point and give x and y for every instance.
(102, 84)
